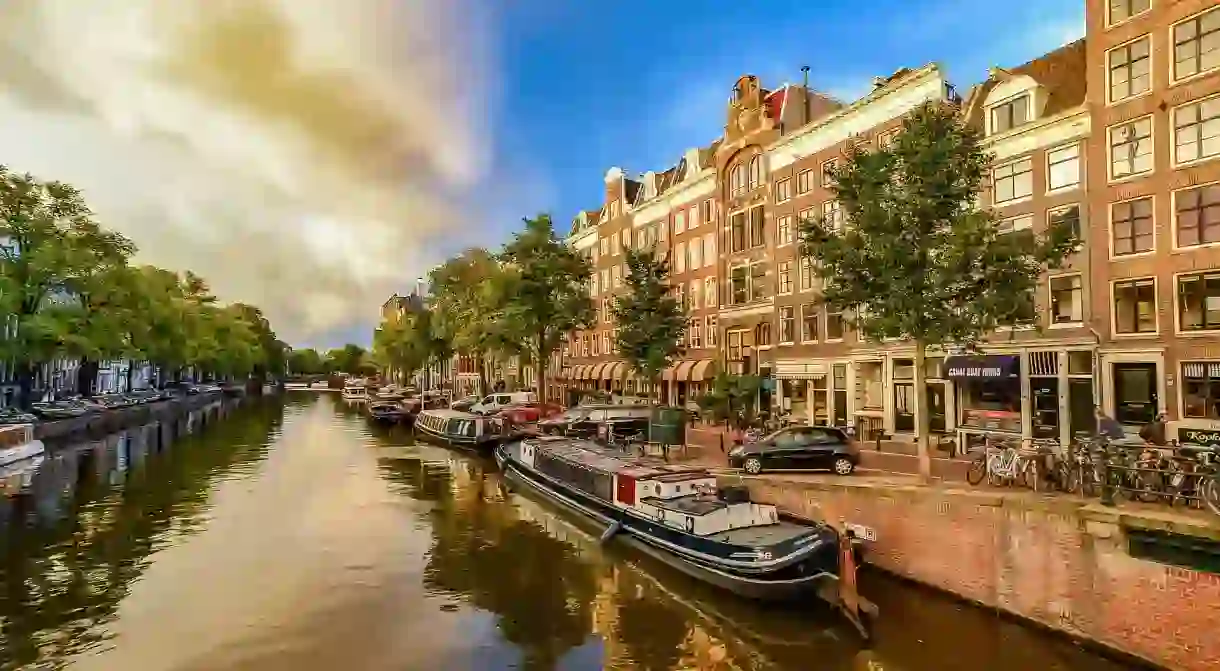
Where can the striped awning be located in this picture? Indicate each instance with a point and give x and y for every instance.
(799, 370)
(595, 371)
(702, 369)
(579, 372)
(613, 371)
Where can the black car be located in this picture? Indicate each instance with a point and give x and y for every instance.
(583, 421)
(806, 448)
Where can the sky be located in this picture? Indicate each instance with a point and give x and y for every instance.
(315, 156)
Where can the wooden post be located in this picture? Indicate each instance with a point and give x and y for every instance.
(858, 610)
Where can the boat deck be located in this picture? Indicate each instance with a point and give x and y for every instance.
(613, 460)
(762, 536)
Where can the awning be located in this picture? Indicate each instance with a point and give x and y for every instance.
(799, 370)
(668, 373)
(595, 371)
(613, 371)
(566, 373)
(682, 373)
(701, 370)
(983, 367)
(585, 370)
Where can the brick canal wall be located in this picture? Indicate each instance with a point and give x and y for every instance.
(1060, 562)
(101, 423)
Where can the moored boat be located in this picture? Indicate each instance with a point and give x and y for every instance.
(17, 443)
(463, 428)
(389, 412)
(680, 516)
(355, 391)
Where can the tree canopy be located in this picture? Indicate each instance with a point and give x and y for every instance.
(650, 320)
(912, 254)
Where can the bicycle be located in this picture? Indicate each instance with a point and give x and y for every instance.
(1002, 463)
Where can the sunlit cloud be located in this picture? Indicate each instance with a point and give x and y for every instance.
(304, 155)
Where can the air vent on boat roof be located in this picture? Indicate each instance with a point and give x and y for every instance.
(734, 494)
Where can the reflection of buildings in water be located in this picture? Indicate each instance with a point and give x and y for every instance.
(14, 478)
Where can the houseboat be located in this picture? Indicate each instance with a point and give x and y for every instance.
(389, 412)
(17, 443)
(680, 516)
(463, 429)
(355, 390)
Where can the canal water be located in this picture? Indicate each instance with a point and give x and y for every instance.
(294, 536)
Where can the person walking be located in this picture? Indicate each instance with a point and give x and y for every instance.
(1107, 426)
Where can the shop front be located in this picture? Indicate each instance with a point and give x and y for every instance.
(988, 389)
(801, 390)
(1199, 411)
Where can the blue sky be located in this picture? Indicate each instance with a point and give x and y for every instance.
(590, 85)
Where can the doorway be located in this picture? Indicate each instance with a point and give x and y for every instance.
(904, 407)
(1135, 393)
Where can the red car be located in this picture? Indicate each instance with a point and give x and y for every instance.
(528, 413)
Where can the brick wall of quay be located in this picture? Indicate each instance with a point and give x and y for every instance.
(1060, 562)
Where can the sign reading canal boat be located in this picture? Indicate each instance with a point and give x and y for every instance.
(987, 367)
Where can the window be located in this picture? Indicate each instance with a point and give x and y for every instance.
(804, 182)
(680, 257)
(604, 243)
(692, 219)
(787, 324)
(762, 334)
(696, 294)
(606, 344)
(783, 227)
(683, 299)
(605, 273)
(1201, 390)
(1131, 226)
(756, 170)
(595, 347)
(806, 215)
(1196, 44)
(737, 232)
(696, 333)
(1068, 215)
(624, 239)
(1010, 114)
(1012, 180)
(884, 140)
(710, 322)
(705, 210)
(1024, 222)
(806, 273)
(694, 252)
(1129, 69)
(757, 237)
(783, 190)
(680, 222)
(593, 289)
(809, 322)
(710, 297)
(1067, 299)
(709, 248)
(1063, 167)
(1199, 302)
(739, 285)
(758, 282)
(736, 345)
(1196, 129)
(1121, 10)
(828, 169)
(785, 277)
(737, 179)
(1197, 213)
(832, 215)
(607, 312)
(616, 276)
(1131, 148)
(1135, 306)
(834, 325)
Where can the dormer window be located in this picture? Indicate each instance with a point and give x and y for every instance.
(1010, 114)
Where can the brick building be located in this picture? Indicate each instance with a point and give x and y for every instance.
(1114, 134)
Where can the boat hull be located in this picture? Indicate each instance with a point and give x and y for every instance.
(28, 450)
(822, 584)
(484, 444)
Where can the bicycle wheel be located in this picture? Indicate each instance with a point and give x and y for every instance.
(1068, 477)
(977, 470)
(1030, 475)
(1209, 491)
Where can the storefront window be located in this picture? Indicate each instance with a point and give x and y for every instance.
(1201, 390)
(989, 390)
(795, 398)
(821, 405)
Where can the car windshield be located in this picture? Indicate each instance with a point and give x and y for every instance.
(573, 414)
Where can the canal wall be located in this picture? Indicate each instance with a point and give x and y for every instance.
(1067, 564)
(111, 421)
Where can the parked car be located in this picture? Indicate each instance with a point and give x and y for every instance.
(528, 413)
(492, 403)
(583, 421)
(16, 416)
(814, 448)
(464, 404)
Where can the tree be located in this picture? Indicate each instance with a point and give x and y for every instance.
(549, 296)
(915, 257)
(305, 362)
(51, 247)
(347, 359)
(468, 294)
(730, 397)
(651, 321)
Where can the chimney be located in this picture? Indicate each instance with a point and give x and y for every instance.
(805, 94)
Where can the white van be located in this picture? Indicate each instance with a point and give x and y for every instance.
(493, 403)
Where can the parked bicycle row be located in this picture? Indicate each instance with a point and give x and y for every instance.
(1113, 469)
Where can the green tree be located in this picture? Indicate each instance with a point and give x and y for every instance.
(468, 295)
(549, 294)
(272, 352)
(915, 257)
(305, 361)
(51, 246)
(651, 321)
(730, 398)
(347, 359)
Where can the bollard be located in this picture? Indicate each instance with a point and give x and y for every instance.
(1107, 481)
(721, 442)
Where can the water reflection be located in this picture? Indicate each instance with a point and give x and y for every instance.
(82, 525)
(296, 536)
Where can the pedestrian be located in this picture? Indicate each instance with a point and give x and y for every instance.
(1154, 432)
(1107, 426)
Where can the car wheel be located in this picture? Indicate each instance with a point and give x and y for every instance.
(753, 466)
(843, 466)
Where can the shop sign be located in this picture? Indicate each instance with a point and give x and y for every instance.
(993, 367)
(1209, 437)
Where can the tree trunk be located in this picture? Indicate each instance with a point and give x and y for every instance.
(921, 413)
(25, 385)
(131, 371)
(83, 386)
(540, 368)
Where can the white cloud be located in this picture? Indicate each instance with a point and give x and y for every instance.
(304, 155)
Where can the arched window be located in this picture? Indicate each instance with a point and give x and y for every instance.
(737, 179)
(756, 172)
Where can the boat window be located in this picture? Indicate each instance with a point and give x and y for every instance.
(597, 416)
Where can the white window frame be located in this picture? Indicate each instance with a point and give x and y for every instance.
(780, 324)
(1110, 228)
(1156, 307)
(783, 230)
(833, 214)
(711, 299)
(1173, 63)
(1083, 226)
(1177, 309)
(824, 179)
(1173, 212)
(783, 268)
(819, 320)
(1051, 188)
(1110, 23)
(787, 181)
(1173, 131)
(1110, 99)
(1027, 218)
(1050, 302)
(1015, 198)
(1110, 149)
(1029, 112)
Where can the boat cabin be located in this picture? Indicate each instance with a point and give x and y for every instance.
(682, 497)
(461, 427)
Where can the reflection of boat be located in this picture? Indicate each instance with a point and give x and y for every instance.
(18, 476)
(462, 428)
(679, 516)
(17, 443)
(355, 391)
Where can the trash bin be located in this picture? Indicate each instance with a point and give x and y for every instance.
(668, 426)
